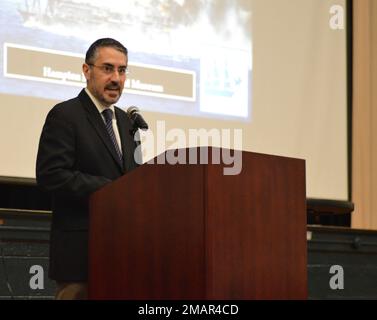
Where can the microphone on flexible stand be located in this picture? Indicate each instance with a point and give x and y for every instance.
(137, 120)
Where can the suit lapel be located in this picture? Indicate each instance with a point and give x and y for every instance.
(96, 121)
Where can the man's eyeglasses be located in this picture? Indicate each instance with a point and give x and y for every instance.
(110, 69)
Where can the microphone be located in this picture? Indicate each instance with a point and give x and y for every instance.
(137, 119)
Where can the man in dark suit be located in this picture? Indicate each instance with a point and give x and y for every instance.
(85, 144)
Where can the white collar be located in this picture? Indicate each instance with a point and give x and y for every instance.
(98, 105)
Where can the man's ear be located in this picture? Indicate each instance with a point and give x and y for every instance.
(86, 71)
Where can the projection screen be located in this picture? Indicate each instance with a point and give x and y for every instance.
(275, 69)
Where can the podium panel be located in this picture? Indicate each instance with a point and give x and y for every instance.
(188, 231)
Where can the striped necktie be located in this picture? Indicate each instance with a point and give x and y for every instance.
(108, 114)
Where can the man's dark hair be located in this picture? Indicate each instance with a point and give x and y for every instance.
(100, 43)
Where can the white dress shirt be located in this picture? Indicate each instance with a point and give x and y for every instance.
(101, 108)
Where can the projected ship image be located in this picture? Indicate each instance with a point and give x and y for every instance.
(46, 13)
(202, 46)
(169, 21)
(155, 14)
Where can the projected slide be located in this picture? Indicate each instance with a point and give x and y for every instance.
(185, 57)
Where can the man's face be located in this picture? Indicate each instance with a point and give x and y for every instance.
(105, 85)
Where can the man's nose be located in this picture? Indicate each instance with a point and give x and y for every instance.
(115, 76)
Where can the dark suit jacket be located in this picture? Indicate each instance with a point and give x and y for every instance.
(75, 158)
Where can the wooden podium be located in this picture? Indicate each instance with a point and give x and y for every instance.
(190, 232)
